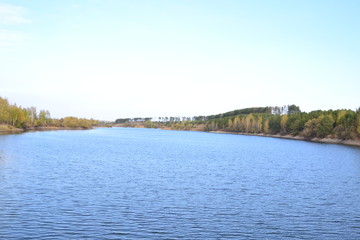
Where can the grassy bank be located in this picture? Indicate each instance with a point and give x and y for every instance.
(4, 128)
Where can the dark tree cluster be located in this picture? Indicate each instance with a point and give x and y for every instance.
(339, 124)
(129, 120)
(289, 109)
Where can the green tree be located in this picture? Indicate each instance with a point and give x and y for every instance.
(346, 124)
(291, 109)
(326, 126)
(44, 118)
(274, 124)
(296, 123)
(319, 127)
(311, 127)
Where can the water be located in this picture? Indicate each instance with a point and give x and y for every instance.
(153, 184)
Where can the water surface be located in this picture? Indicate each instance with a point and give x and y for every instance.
(153, 184)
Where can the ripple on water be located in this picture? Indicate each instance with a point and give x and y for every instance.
(152, 184)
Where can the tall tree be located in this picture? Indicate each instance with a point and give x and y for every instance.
(283, 122)
(291, 109)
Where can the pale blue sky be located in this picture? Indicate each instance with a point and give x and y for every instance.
(109, 59)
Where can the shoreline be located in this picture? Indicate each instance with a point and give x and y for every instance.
(34, 129)
(353, 143)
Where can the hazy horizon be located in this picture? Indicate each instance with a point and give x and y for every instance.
(117, 59)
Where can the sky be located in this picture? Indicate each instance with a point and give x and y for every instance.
(108, 59)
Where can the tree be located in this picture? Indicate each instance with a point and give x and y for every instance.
(319, 127)
(346, 124)
(258, 124)
(211, 126)
(236, 124)
(4, 110)
(311, 127)
(326, 126)
(32, 115)
(266, 127)
(274, 124)
(148, 124)
(230, 125)
(44, 118)
(358, 120)
(283, 122)
(296, 123)
(291, 109)
(276, 110)
(249, 123)
(341, 114)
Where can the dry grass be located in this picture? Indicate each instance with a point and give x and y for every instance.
(6, 127)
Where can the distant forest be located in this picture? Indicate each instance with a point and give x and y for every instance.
(289, 120)
(27, 118)
(286, 120)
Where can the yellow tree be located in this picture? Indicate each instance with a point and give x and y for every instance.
(230, 125)
(266, 126)
(249, 123)
(283, 121)
(242, 125)
(340, 115)
(21, 118)
(4, 110)
(258, 124)
(237, 124)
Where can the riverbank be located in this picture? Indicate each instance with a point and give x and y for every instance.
(319, 140)
(6, 129)
(200, 128)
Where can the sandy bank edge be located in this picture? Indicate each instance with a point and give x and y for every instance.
(320, 140)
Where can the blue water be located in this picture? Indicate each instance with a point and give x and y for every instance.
(123, 183)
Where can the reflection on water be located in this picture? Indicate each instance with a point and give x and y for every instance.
(153, 184)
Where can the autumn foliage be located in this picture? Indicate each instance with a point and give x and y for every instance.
(27, 118)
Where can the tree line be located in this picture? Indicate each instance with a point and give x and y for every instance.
(127, 120)
(158, 119)
(27, 118)
(340, 124)
(285, 120)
